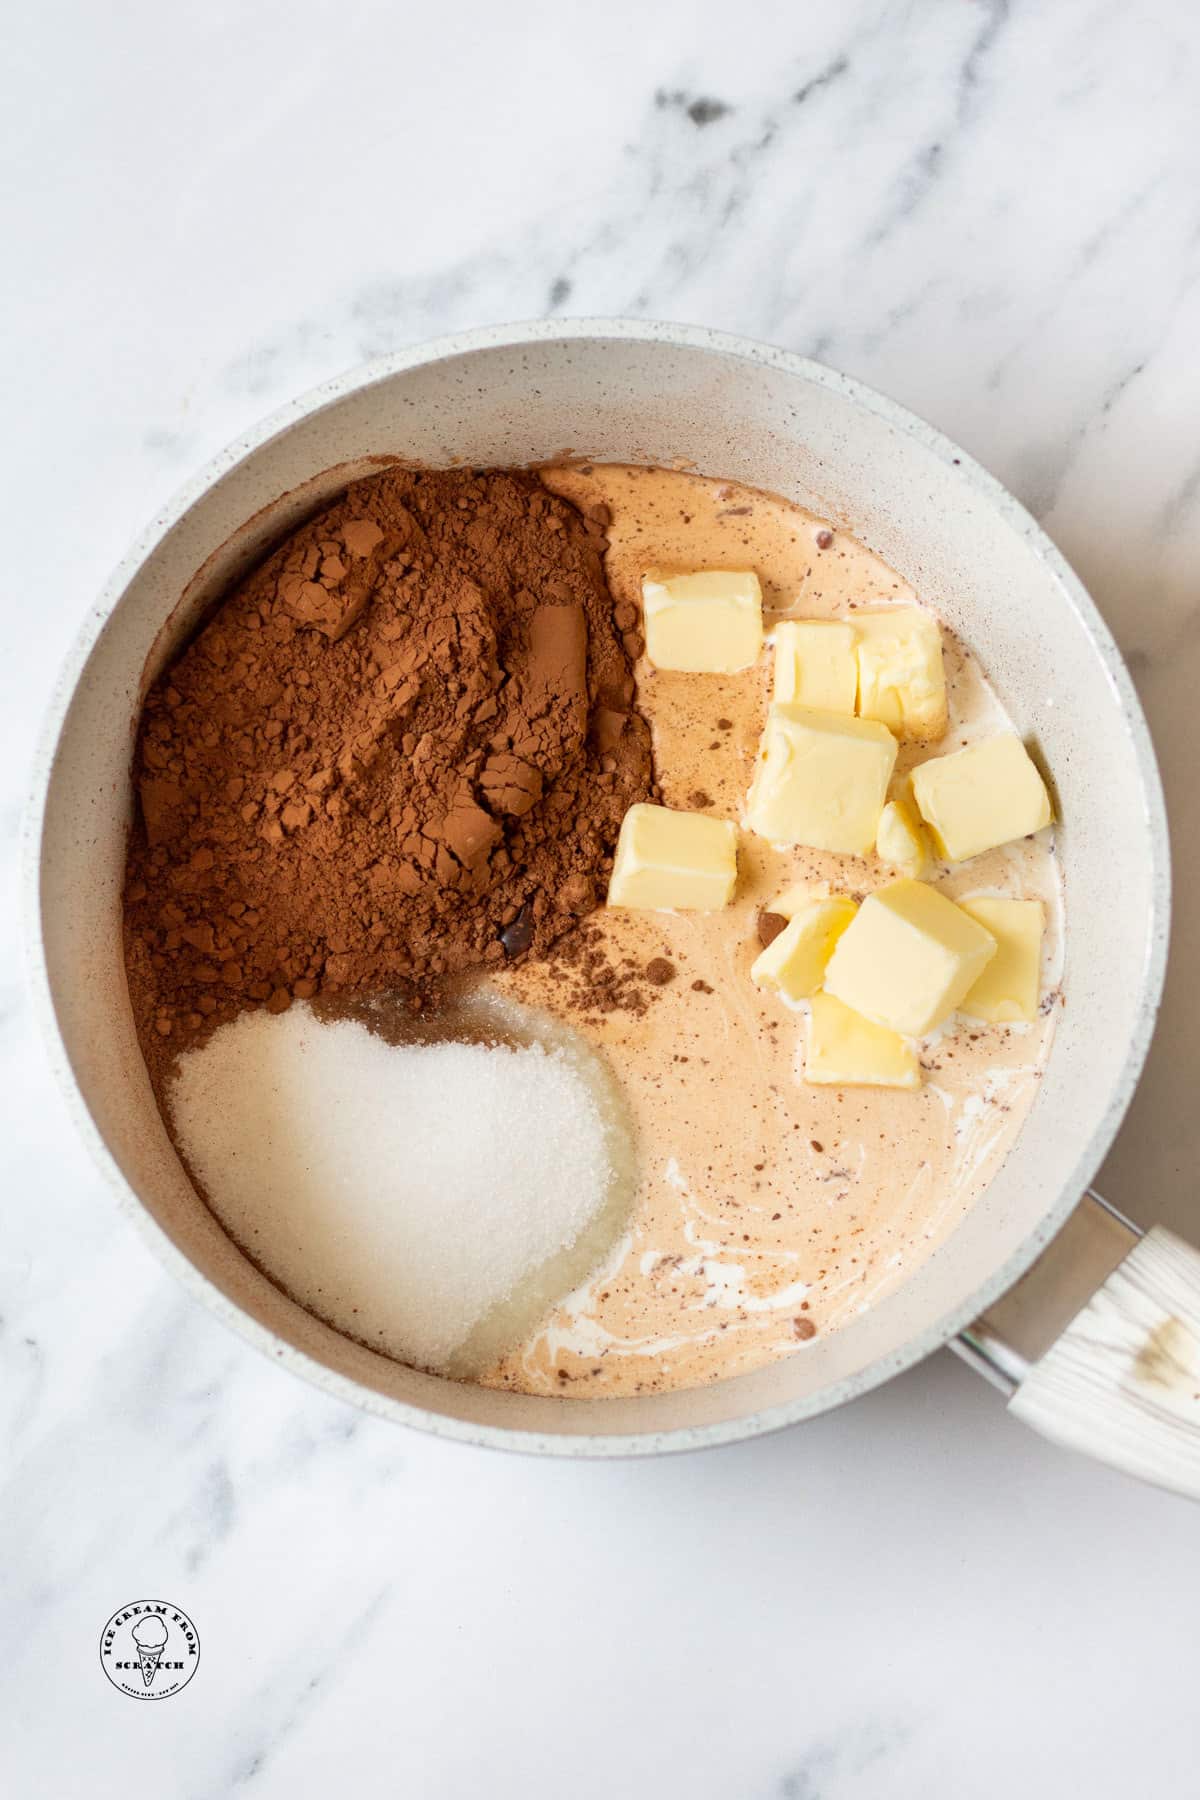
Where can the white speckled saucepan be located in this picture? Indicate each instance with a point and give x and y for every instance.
(1122, 1379)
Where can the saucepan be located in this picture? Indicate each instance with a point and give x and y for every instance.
(1092, 1329)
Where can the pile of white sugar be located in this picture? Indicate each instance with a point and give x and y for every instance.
(400, 1192)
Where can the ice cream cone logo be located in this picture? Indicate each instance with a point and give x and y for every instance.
(150, 1636)
(149, 1649)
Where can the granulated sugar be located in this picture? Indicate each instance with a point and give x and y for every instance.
(405, 1193)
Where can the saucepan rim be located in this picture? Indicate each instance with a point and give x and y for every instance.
(982, 484)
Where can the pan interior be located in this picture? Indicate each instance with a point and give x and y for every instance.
(655, 395)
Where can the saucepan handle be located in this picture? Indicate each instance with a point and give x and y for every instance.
(1098, 1347)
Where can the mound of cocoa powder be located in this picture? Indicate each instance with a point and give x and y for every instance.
(399, 751)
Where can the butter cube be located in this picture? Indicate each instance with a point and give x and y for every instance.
(673, 861)
(846, 1050)
(981, 796)
(1009, 986)
(908, 958)
(901, 680)
(793, 964)
(901, 841)
(792, 899)
(816, 664)
(709, 623)
(821, 780)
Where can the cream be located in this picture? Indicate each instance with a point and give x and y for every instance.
(766, 1209)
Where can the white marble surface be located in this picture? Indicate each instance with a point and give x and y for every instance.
(991, 211)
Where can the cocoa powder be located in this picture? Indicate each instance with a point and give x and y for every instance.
(400, 751)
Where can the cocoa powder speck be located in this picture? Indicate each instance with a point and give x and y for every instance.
(769, 926)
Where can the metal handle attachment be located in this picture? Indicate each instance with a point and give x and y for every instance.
(1021, 1326)
(1098, 1346)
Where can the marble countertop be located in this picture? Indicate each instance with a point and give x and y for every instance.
(990, 211)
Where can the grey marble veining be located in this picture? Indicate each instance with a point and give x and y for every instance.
(990, 210)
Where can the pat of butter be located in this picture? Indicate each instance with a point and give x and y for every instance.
(794, 898)
(793, 964)
(1009, 987)
(901, 841)
(981, 796)
(901, 680)
(815, 664)
(908, 958)
(673, 861)
(821, 780)
(846, 1050)
(709, 623)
